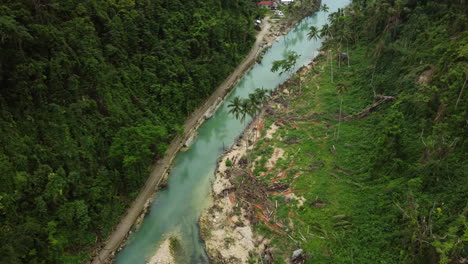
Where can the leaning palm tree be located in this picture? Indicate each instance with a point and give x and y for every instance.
(246, 109)
(333, 17)
(261, 94)
(340, 89)
(314, 33)
(235, 107)
(287, 64)
(250, 106)
(326, 32)
(324, 8)
(240, 108)
(253, 103)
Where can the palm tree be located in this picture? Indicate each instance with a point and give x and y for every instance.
(235, 107)
(253, 104)
(287, 64)
(314, 33)
(324, 8)
(326, 32)
(333, 17)
(340, 89)
(246, 109)
(256, 100)
(261, 94)
(240, 108)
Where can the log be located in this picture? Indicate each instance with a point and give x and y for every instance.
(381, 99)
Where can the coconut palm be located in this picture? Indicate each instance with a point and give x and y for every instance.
(326, 32)
(324, 8)
(246, 109)
(333, 17)
(235, 107)
(340, 89)
(240, 108)
(261, 94)
(253, 104)
(287, 64)
(314, 33)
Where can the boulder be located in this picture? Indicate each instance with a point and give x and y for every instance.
(298, 256)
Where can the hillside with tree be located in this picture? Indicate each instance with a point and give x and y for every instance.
(361, 157)
(91, 94)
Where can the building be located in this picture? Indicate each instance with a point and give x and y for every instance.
(267, 4)
(279, 13)
(286, 2)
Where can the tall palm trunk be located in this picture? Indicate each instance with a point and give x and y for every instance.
(331, 66)
(339, 119)
(347, 52)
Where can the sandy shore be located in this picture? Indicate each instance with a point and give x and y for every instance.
(163, 254)
(225, 226)
(227, 232)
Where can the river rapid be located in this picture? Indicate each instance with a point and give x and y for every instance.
(177, 208)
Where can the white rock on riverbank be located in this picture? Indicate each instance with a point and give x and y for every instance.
(163, 254)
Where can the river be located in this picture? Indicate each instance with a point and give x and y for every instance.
(176, 208)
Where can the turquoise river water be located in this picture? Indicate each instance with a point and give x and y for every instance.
(176, 209)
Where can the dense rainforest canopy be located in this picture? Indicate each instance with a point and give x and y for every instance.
(91, 92)
(409, 156)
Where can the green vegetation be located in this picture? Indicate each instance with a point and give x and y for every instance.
(91, 94)
(241, 108)
(176, 249)
(377, 148)
(285, 65)
(300, 8)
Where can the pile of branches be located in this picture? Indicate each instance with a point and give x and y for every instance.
(251, 193)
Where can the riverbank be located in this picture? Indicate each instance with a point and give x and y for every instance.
(240, 199)
(329, 172)
(282, 187)
(160, 171)
(193, 175)
(226, 227)
(161, 168)
(307, 185)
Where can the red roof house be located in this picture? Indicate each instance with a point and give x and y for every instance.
(267, 4)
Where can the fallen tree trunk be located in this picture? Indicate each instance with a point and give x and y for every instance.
(380, 100)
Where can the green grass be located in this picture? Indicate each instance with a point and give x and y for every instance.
(330, 182)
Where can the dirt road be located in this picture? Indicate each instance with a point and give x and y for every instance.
(160, 168)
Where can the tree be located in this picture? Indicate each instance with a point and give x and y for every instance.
(324, 8)
(235, 107)
(240, 108)
(91, 94)
(314, 33)
(261, 94)
(287, 64)
(246, 109)
(325, 31)
(340, 89)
